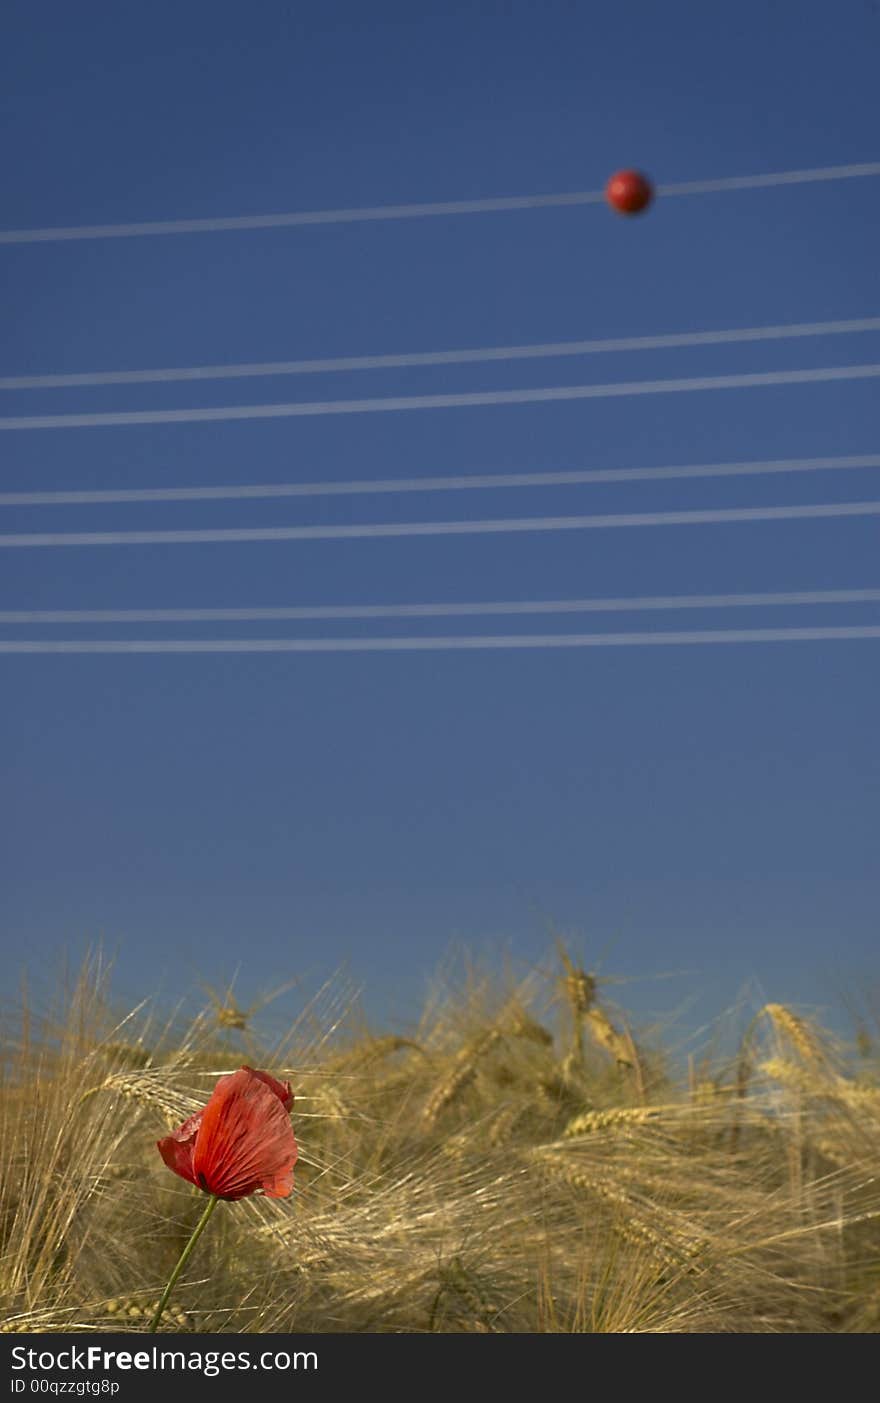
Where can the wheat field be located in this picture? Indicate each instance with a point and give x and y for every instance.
(523, 1161)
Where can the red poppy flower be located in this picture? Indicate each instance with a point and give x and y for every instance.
(241, 1142)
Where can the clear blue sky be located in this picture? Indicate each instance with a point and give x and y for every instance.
(712, 810)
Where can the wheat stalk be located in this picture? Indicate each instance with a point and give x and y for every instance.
(616, 1118)
(460, 1075)
(796, 1030)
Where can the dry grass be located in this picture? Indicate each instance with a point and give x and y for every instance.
(491, 1173)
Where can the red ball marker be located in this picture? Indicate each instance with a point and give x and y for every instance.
(629, 192)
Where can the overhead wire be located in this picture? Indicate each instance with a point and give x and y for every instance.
(471, 399)
(458, 482)
(634, 604)
(424, 210)
(492, 526)
(461, 356)
(473, 643)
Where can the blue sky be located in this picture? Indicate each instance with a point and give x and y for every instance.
(710, 810)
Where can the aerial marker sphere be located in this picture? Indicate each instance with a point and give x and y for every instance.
(629, 192)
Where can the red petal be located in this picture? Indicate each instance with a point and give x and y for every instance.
(281, 1088)
(281, 1186)
(245, 1141)
(177, 1148)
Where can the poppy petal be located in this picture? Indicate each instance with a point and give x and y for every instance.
(281, 1088)
(177, 1148)
(245, 1141)
(281, 1186)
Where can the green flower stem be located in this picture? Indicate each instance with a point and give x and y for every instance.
(184, 1258)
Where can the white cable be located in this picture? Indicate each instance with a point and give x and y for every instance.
(365, 214)
(483, 481)
(411, 359)
(311, 408)
(400, 645)
(498, 526)
(639, 604)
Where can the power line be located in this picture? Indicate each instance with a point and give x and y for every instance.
(365, 214)
(483, 481)
(638, 604)
(411, 359)
(311, 408)
(497, 526)
(399, 645)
